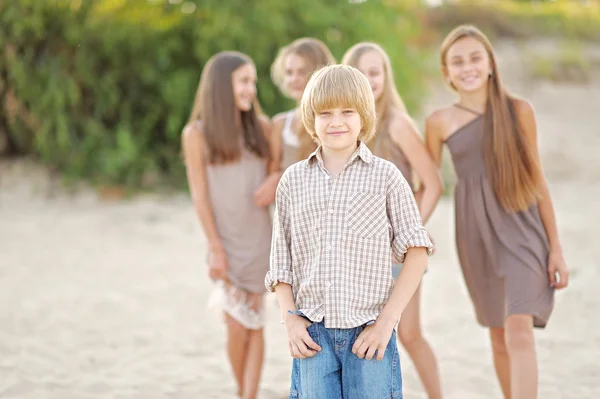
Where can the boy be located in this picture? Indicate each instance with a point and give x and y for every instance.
(342, 214)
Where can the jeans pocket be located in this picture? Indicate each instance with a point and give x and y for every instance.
(313, 332)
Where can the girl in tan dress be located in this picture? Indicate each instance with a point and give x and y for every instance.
(506, 234)
(290, 72)
(227, 157)
(398, 141)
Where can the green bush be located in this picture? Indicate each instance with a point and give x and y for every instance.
(101, 90)
(579, 20)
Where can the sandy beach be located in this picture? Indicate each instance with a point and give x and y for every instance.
(107, 299)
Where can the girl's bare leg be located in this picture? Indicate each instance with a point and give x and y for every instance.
(411, 337)
(501, 360)
(254, 363)
(237, 342)
(520, 342)
(254, 353)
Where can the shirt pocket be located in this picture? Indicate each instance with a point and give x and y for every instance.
(367, 215)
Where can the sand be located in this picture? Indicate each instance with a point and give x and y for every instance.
(107, 299)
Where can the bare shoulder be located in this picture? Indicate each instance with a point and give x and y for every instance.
(192, 132)
(523, 107)
(400, 121)
(437, 122)
(265, 122)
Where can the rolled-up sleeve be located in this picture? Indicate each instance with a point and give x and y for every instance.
(403, 213)
(280, 269)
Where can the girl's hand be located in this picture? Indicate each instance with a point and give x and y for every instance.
(217, 265)
(300, 343)
(557, 265)
(265, 194)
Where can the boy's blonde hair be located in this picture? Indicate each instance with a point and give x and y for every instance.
(340, 86)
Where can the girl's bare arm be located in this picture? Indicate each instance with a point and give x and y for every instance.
(404, 133)
(193, 148)
(526, 116)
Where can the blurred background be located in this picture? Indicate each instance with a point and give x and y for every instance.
(102, 275)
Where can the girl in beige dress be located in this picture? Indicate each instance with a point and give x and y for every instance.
(227, 157)
(290, 72)
(506, 234)
(398, 141)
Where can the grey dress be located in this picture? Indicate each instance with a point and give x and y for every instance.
(503, 256)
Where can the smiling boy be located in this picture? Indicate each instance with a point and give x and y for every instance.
(341, 215)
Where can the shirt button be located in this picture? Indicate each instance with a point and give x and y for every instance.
(330, 210)
(328, 285)
(329, 247)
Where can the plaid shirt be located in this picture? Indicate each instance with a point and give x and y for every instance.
(333, 238)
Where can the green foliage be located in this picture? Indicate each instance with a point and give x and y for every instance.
(578, 20)
(101, 90)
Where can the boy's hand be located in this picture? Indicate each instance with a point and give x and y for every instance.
(373, 338)
(301, 344)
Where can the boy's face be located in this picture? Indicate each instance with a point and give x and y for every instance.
(338, 128)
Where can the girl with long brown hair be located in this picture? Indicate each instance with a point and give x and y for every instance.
(290, 71)
(398, 141)
(506, 234)
(228, 161)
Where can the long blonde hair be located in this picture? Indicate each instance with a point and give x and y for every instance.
(514, 171)
(215, 105)
(390, 99)
(317, 55)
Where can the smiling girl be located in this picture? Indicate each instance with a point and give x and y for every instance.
(398, 141)
(506, 234)
(227, 158)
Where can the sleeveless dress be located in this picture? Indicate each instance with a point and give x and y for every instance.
(503, 256)
(245, 232)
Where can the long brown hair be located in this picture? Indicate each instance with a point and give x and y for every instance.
(514, 171)
(317, 55)
(215, 105)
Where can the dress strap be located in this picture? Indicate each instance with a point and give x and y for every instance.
(459, 106)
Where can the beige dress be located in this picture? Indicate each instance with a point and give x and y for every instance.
(504, 257)
(245, 232)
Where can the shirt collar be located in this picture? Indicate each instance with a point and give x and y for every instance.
(361, 152)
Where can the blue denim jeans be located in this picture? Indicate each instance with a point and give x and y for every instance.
(335, 372)
(396, 267)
